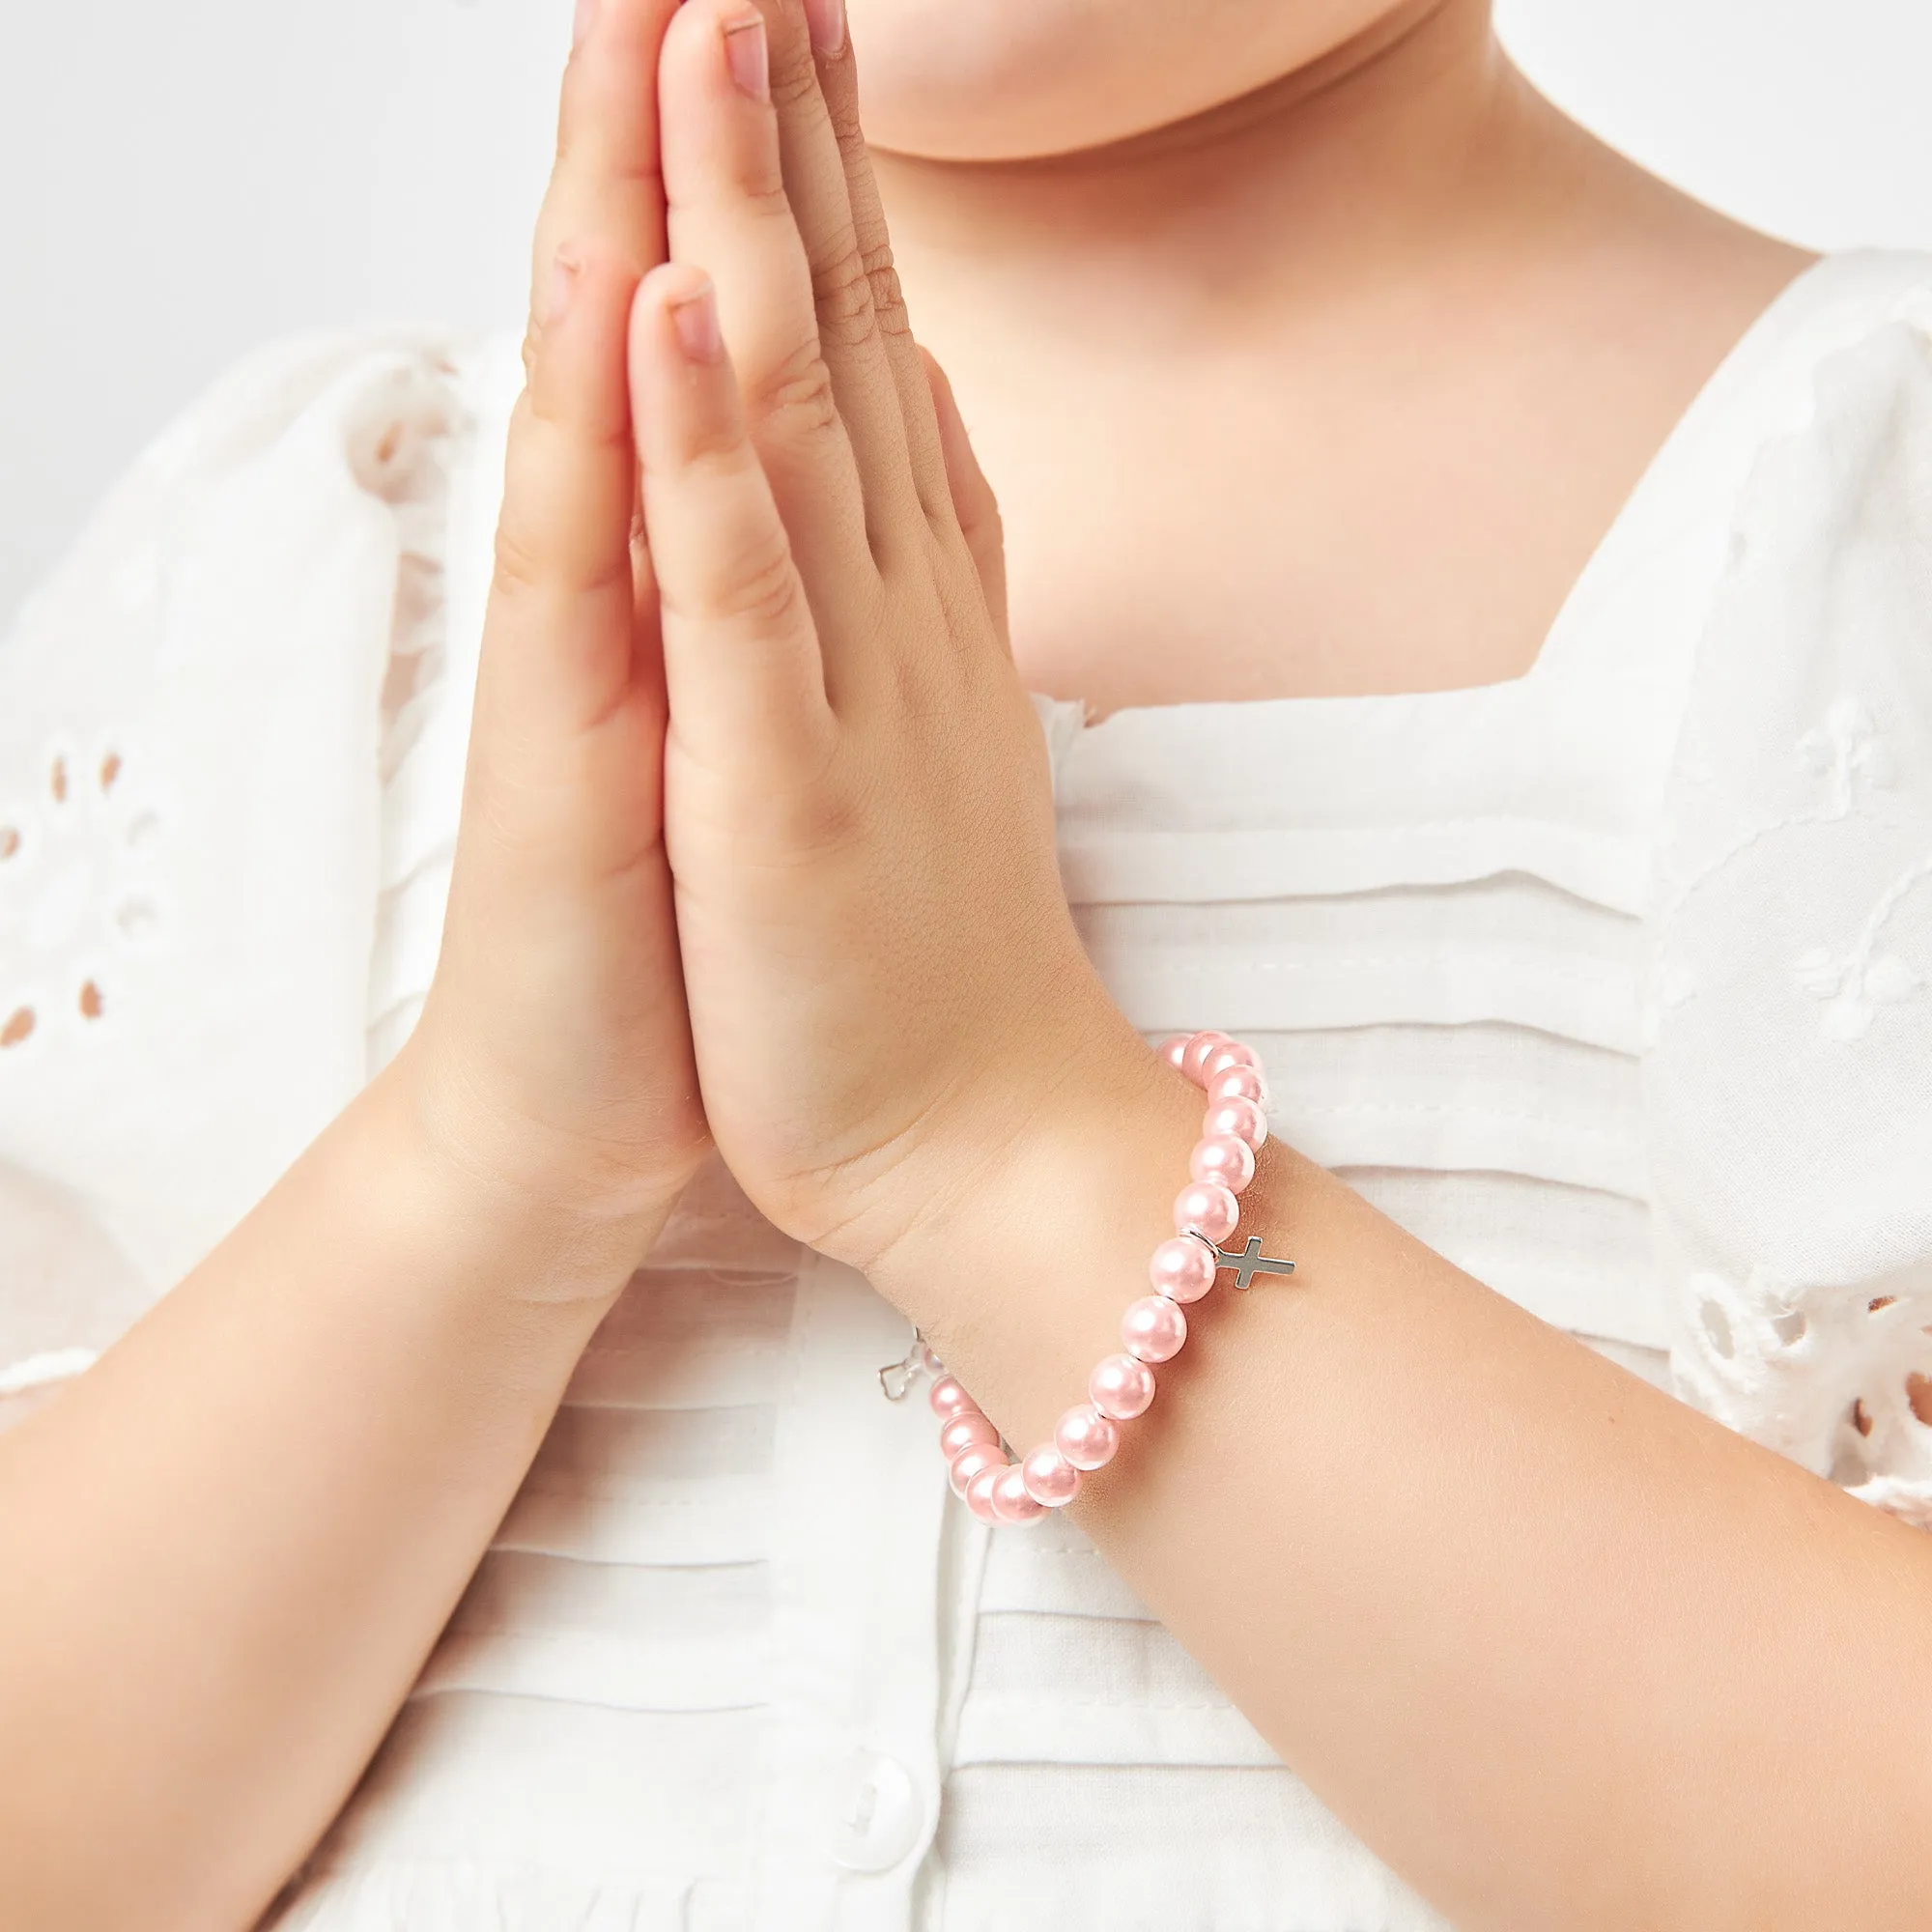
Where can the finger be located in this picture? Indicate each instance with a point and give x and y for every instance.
(560, 634)
(849, 334)
(729, 214)
(839, 84)
(740, 650)
(606, 183)
(973, 503)
(569, 692)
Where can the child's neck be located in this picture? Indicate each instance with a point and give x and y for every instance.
(1342, 168)
(1344, 379)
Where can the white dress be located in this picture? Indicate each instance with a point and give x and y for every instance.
(1611, 982)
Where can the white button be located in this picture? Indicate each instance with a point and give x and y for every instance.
(877, 1818)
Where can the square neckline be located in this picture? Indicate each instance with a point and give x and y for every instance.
(1675, 477)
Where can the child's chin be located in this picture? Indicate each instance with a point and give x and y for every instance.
(994, 80)
(986, 80)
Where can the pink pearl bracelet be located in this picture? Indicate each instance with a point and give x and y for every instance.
(997, 1488)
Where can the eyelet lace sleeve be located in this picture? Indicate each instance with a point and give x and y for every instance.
(195, 715)
(1789, 1079)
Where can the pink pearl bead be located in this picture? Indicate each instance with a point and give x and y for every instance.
(963, 1432)
(1238, 1083)
(1230, 1053)
(969, 1462)
(1120, 1387)
(1222, 1158)
(1208, 1206)
(1182, 1269)
(948, 1398)
(979, 1491)
(1086, 1438)
(1012, 1502)
(1154, 1329)
(1051, 1480)
(1194, 1060)
(1172, 1050)
(929, 1361)
(1241, 1121)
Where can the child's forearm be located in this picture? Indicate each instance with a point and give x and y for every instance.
(225, 1553)
(1563, 1650)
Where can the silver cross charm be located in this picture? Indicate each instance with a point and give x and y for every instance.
(1250, 1262)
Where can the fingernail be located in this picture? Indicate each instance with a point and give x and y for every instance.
(696, 320)
(564, 270)
(748, 56)
(586, 12)
(827, 20)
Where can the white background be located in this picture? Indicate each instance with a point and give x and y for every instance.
(181, 179)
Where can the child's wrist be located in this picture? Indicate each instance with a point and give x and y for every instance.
(560, 1226)
(1019, 1283)
(1098, 1141)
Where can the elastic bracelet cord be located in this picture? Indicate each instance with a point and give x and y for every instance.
(998, 1489)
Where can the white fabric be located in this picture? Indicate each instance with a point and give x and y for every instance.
(1790, 1108)
(1635, 1029)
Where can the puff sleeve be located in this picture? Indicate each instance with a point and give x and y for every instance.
(1788, 1078)
(192, 721)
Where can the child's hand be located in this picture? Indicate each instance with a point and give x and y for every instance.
(553, 1056)
(884, 981)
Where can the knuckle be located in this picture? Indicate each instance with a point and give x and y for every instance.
(794, 72)
(611, 572)
(765, 592)
(753, 193)
(761, 194)
(642, 175)
(761, 592)
(517, 565)
(595, 157)
(842, 110)
(842, 289)
(527, 569)
(882, 278)
(716, 441)
(796, 397)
